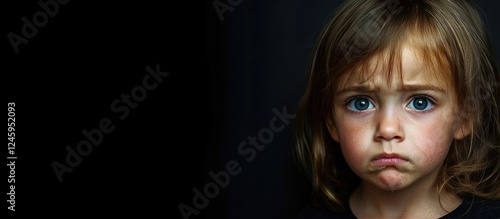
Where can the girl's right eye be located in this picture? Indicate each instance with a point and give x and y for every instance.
(359, 104)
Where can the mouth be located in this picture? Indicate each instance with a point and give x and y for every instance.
(384, 160)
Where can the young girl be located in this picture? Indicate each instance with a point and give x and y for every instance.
(400, 116)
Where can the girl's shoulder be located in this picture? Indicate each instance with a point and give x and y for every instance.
(469, 209)
(476, 208)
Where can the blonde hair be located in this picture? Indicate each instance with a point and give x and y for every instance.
(450, 36)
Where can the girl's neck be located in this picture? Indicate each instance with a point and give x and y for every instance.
(421, 200)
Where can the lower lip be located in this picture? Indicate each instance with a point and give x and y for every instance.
(388, 161)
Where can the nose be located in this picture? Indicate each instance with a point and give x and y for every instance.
(389, 126)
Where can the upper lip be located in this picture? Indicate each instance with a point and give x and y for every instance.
(389, 155)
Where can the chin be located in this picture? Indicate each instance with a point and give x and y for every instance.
(390, 180)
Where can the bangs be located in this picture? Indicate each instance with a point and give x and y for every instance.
(388, 61)
(383, 53)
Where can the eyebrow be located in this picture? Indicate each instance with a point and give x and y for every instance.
(406, 87)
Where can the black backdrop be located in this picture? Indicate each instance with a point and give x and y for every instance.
(231, 77)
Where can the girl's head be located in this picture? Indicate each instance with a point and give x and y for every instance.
(401, 92)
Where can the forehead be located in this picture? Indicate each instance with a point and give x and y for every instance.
(396, 69)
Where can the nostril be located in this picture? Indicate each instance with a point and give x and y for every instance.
(389, 128)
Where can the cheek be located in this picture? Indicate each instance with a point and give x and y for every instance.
(433, 141)
(355, 143)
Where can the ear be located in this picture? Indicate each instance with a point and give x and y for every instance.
(332, 129)
(463, 129)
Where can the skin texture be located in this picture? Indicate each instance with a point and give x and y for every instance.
(395, 144)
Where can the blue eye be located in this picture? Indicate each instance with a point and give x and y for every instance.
(420, 103)
(360, 104)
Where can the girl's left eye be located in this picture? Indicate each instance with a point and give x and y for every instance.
(420, 103)
(360, 104)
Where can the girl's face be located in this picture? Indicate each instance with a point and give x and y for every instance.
(395, 134)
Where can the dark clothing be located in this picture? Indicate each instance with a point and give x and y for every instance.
(469, 209)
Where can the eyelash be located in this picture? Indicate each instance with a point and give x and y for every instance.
(412, 98)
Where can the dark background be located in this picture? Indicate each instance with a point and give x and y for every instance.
(226, 77)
